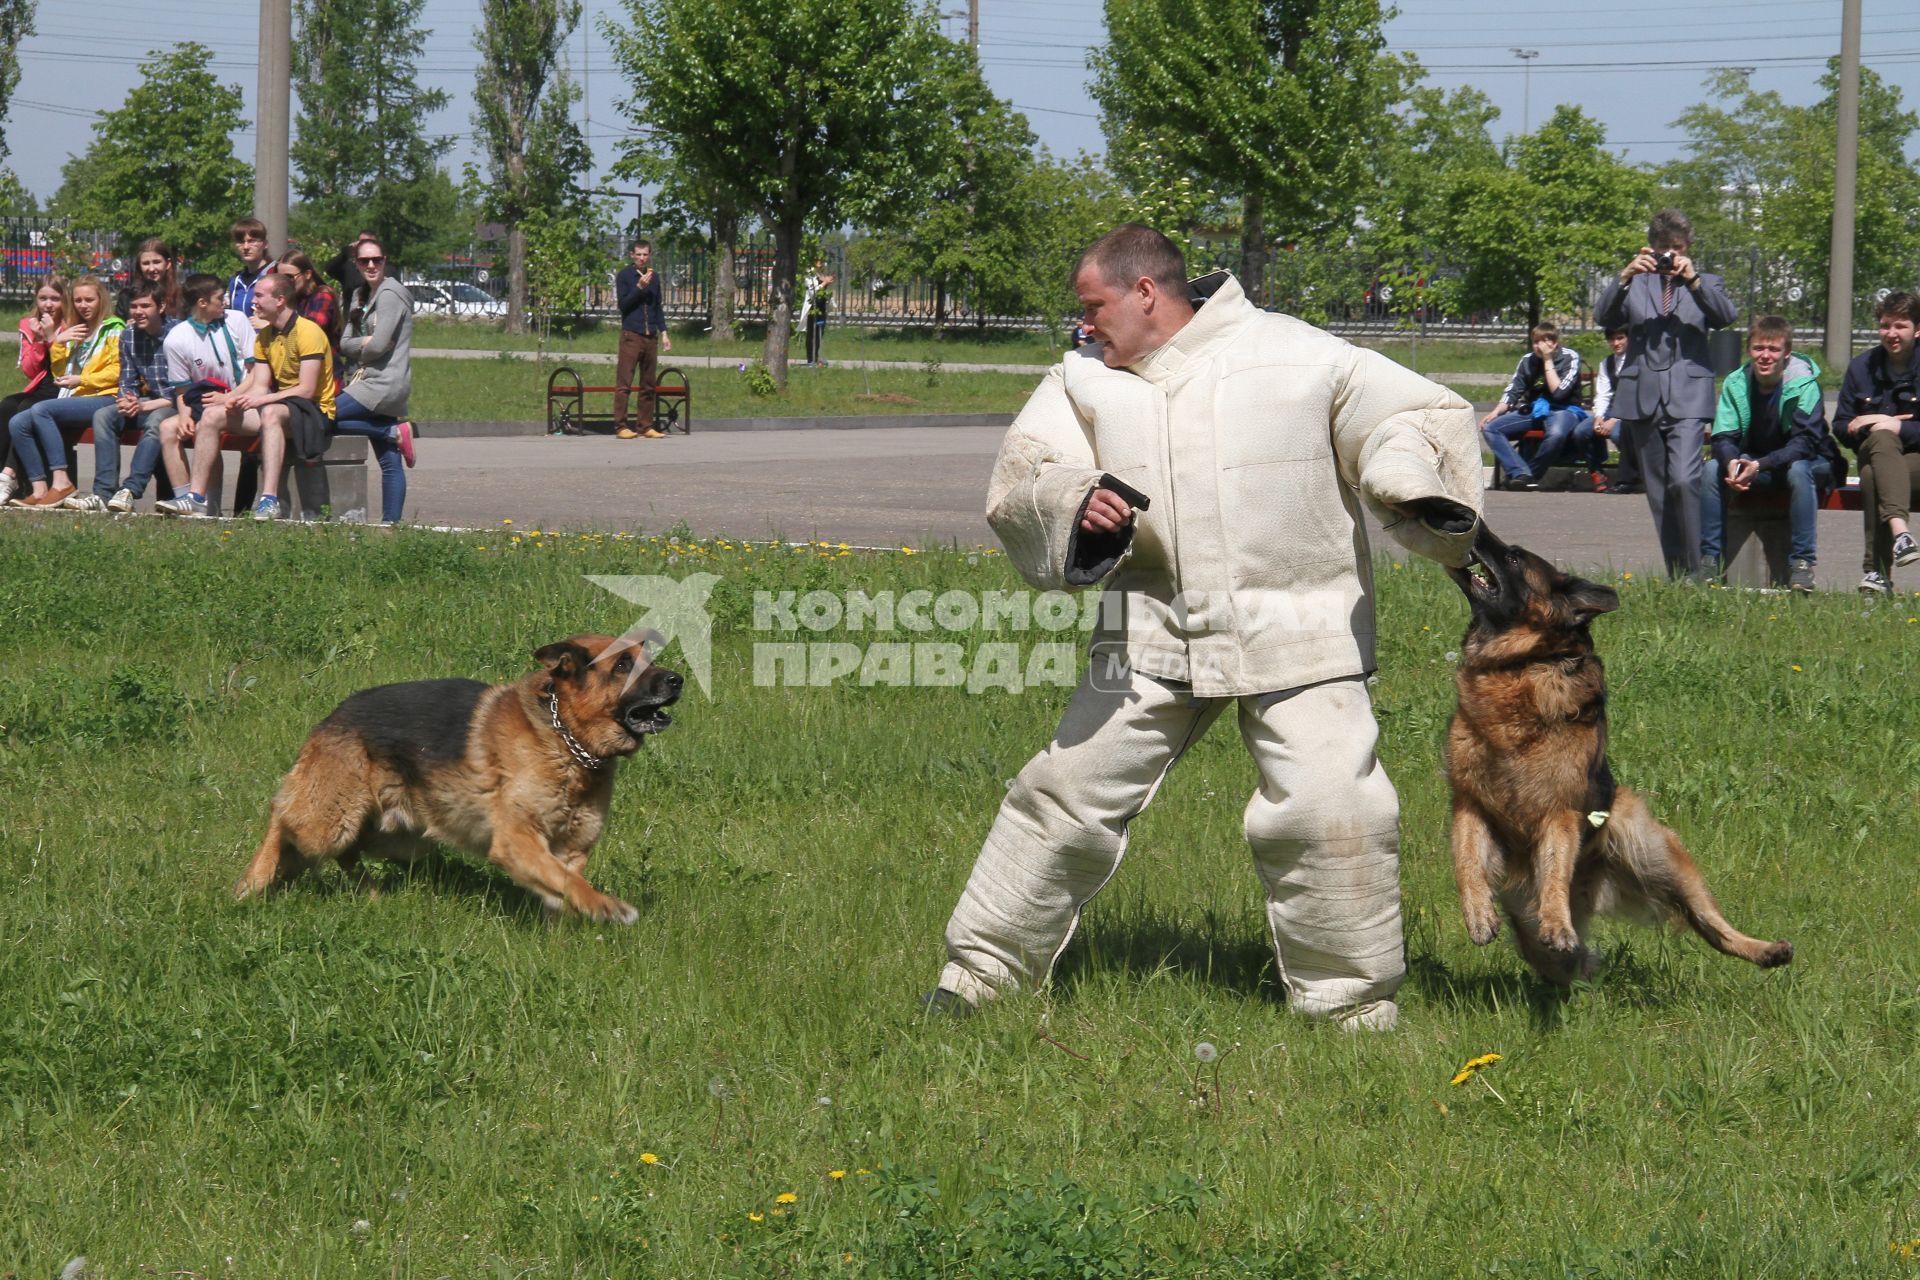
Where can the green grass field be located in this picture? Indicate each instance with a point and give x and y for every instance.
(441, 1083)
(515, 391)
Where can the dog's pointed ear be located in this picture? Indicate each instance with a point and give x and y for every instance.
(1589, 600)
(563, 658)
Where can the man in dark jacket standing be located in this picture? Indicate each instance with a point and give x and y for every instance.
(1664, 395)
(643, 335)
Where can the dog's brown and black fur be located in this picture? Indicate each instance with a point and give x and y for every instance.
(481, 767)
(1527, 757)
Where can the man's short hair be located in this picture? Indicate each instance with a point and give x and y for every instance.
(1545, 329)
(248, 227)
(1669, 227)
(276, 284)
(152, 290)
(641, 243)
(1897, 305)
(1771, 327)
(1617, 331)
(1131, 252)
(200, 286)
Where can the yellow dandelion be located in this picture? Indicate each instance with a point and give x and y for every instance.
(647, 1157)
(1627, 577)
(1796, 666)
(906, 551)
(779, 1213)
(756, 1217)
(1910, 621)
(846, 1257)
(843, 546)
(861, 1173)
(785, 1197)
(506, 522)
(1473, 1065)
(836, 1174)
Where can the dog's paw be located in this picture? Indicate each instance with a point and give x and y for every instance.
(1776, 954)
(612, 911)
(1560, 937)
(1483, 923)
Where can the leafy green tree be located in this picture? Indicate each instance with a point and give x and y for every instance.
(1279, 104)
(969, 224)
(361, 156)
(16, 24)
(15, 200)
(1757, 181)
(162, 163)
(1070, 205)
(1535, 232)
(520, 44)
(808, 111)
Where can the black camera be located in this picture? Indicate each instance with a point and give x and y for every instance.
(1663, 262)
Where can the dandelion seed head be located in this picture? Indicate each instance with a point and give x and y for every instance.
(1205, 1052)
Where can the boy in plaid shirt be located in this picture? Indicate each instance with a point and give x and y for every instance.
(143, 402)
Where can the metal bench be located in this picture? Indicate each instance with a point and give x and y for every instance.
(567, 403)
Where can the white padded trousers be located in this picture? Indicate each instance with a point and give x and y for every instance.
(1323, 827)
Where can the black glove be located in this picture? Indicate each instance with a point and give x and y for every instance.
(1442, 515)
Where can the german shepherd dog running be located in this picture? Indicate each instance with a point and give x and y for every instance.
(1540, 832)
(518, 773)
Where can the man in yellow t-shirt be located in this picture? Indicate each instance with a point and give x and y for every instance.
(292, 361)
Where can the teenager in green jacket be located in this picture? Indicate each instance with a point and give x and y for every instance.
(1770, 434)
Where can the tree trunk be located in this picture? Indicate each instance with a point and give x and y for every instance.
(786, 258)
(516, 279)
(1253, 248)
(721, 302)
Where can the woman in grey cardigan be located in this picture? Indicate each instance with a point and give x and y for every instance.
(377, 349)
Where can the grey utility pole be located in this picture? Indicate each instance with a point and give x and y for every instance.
(1846, 168)
(973, 25)
(1526, 57)
(272, 126)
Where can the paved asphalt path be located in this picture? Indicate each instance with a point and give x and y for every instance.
(914, 486)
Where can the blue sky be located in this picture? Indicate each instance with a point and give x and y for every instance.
(1632, 64)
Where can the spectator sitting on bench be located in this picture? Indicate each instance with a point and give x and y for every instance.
(143, 403)
(1606, 427)
(52, 311)
(1545, 389)
(155, 261)
(1879, 418)
(85, 356)
(292, 374)
(206, 357)
(1770, 434)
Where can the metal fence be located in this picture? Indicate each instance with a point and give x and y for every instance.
(1342, 288)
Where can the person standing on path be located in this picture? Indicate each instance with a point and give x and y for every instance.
(1664, 395)
(643, 336)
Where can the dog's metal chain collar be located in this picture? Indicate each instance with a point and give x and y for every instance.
(580, 753)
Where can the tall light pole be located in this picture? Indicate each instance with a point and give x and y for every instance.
(1526, 57)
(1845, 171)
(272, 129)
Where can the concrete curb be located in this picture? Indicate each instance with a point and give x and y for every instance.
(861, 422)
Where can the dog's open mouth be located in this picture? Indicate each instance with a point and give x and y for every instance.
(643, 718)
(1479, 575)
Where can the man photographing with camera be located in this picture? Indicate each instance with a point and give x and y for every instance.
(1664, 395)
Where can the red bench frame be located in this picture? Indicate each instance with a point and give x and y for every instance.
(567, 405)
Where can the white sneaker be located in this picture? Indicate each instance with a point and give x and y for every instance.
(184, 505)
(9, 485)
(89, 502)
(121, 501)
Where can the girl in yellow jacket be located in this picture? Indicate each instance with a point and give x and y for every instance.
(85, 359)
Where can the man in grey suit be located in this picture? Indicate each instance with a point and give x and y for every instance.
(1664, 395)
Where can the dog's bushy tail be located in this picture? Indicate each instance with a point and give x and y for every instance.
(1652, 878)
